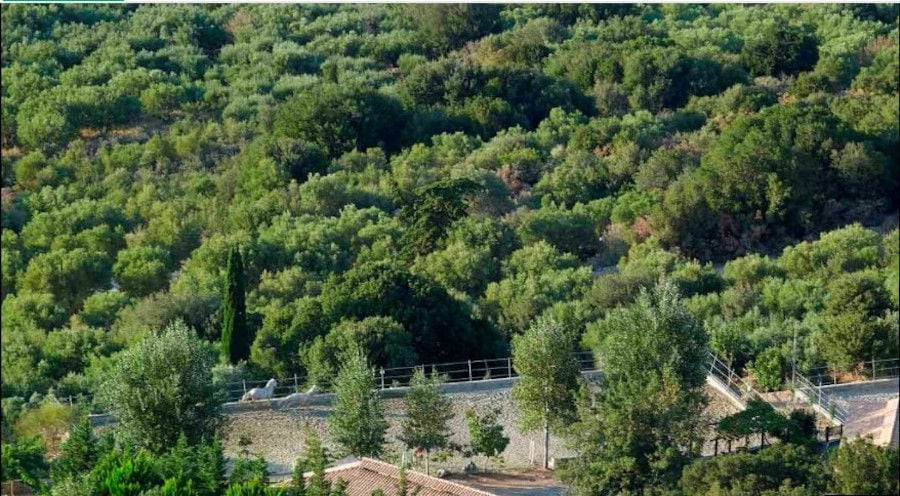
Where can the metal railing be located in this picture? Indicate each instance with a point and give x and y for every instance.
(816, 397)
(869, 370)
(723, 445)
(734, 382)
(501, 368)
(80, 400)
(385, 378)
(746, 392)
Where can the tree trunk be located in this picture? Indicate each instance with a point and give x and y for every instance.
(546, 445)
(427, 460)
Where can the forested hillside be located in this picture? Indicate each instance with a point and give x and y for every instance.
(426, 181)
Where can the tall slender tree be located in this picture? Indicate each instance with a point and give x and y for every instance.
(235, 334)
(358, 423)
(549, 377)
(428, 412)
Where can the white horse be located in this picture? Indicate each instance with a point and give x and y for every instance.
(263, 393)
(298, 399)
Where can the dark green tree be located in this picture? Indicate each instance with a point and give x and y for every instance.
(236, 337)
(431, 214)
(778, 469)
(860, 467)
(339, 118)
(441, 327)
(780, 48)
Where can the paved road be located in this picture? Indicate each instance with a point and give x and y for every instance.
(866, 402)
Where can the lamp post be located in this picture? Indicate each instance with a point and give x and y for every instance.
(794, 360)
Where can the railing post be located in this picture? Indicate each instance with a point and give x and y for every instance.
(244, 382)
(295, 383)
(509, 366)
(470, 370)
(382, 378)
(827, 434)
(873, 368)
(716, 447)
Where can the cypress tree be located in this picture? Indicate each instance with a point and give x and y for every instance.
(235, 335)
(357, 423)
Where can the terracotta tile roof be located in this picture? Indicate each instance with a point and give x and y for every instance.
(366, 475)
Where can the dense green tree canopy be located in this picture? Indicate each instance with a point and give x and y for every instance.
(425, 182)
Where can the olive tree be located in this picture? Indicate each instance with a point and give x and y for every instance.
(645, 422)
(542, 357)
(162, 388)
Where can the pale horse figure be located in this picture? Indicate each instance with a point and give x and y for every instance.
(262, 393)
(298, 399)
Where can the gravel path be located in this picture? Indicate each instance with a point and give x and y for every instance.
(278, 435)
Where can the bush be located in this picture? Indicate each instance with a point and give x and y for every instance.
(249, 470)
(24, 460)
(768, 369)
(778, 469)
(253, 488)
(49, 421)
